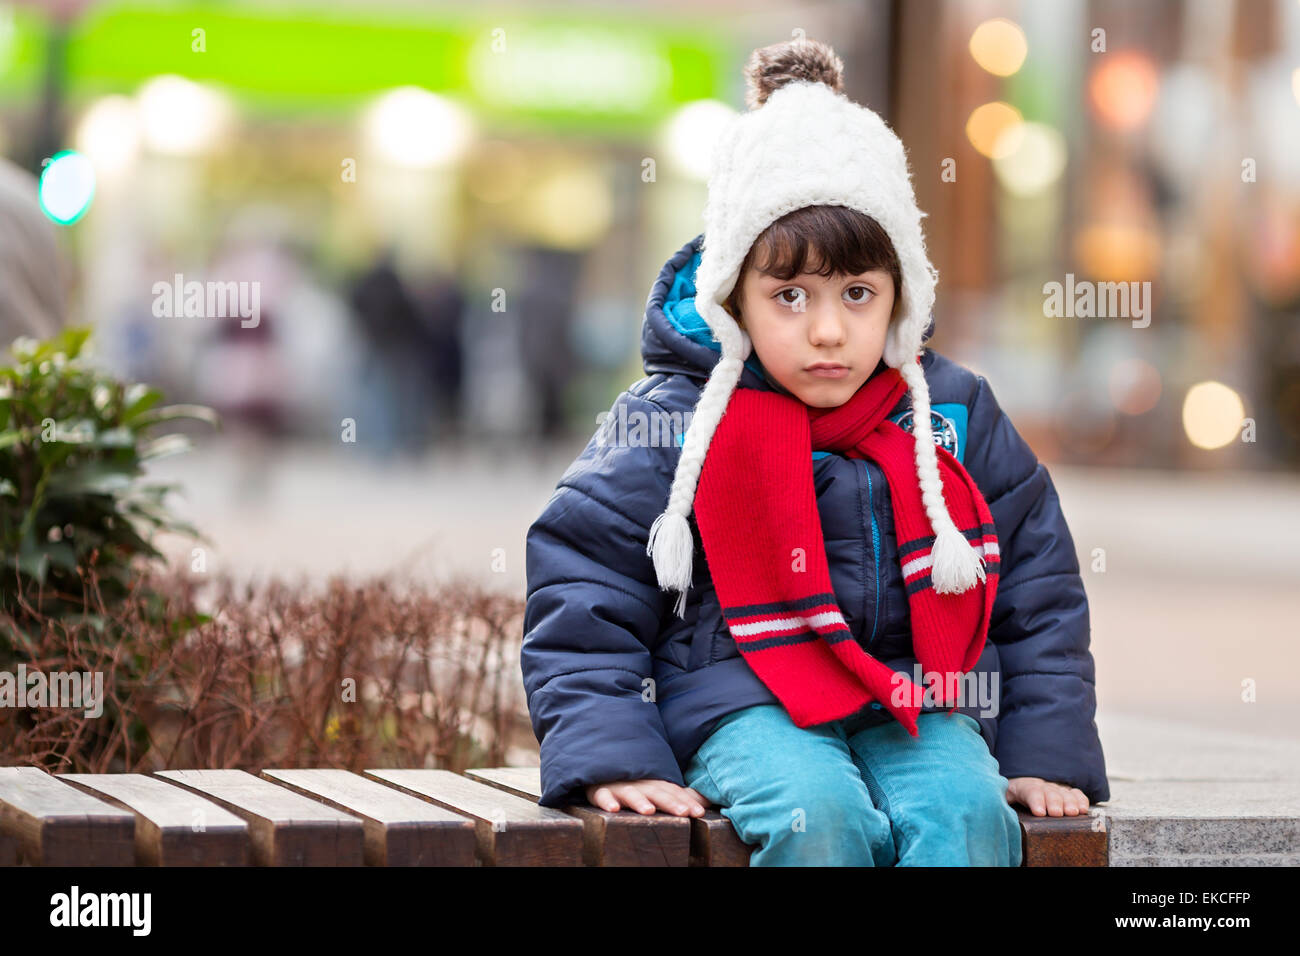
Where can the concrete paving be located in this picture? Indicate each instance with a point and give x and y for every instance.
(1185, 795)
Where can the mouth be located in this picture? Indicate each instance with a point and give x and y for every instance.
(828, 370)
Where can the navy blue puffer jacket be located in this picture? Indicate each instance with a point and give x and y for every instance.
(620, 688)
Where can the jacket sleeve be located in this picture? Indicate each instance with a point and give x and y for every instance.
(1040, 620)
(593, 614)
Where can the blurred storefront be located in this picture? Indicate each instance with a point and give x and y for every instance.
(494, 164)
(455, 217)
(1151, 144)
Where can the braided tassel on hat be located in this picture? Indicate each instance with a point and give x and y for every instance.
(957, 566)
(671, 543)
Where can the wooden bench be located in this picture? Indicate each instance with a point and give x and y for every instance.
(393, 817)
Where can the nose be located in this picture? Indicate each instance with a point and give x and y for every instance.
(826, 326)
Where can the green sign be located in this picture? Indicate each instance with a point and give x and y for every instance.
(607, 72)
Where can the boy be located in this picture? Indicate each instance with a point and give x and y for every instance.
(811, 281)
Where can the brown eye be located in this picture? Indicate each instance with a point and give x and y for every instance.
(866, 293)
(798, 293)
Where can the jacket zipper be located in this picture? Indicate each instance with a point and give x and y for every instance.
(875, 546)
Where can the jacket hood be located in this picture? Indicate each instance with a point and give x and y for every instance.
(675, 339)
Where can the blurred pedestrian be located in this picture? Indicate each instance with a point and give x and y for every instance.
(441, 305)
(547, 306)
(396, 375)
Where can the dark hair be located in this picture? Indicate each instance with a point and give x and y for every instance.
(825, 239)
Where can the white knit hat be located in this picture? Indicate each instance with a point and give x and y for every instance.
(806, 145)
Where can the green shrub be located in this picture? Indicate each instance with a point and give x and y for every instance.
(73, 441)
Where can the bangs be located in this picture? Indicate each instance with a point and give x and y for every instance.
(824, 240)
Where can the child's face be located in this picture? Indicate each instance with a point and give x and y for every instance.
(810, 319)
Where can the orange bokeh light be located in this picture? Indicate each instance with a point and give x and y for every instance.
(1123, 88)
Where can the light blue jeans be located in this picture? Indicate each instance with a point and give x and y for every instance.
(830, 795)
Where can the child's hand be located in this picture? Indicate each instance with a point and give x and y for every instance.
(1043, 797)
(644, 796)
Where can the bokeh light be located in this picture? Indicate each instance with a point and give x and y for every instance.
(1031, 160)
(1123, 88)
(1118, 251)
(180, 117)
(414, 128)
(1134, 386)
(691, 133)
(67, 187)
(1212, 415)
(995, 129)
(999, 46)
(109, 134)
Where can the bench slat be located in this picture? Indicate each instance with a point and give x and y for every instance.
(286, 828)
(523, 782)
(620, 838)
(1081, 840)
(510, 831)
(713, 840)
(54, 824)
(715, 843)
(173, 827)
(400, 830)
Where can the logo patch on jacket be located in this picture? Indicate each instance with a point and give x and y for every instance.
(947, 423)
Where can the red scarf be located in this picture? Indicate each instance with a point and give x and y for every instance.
(762, 535)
